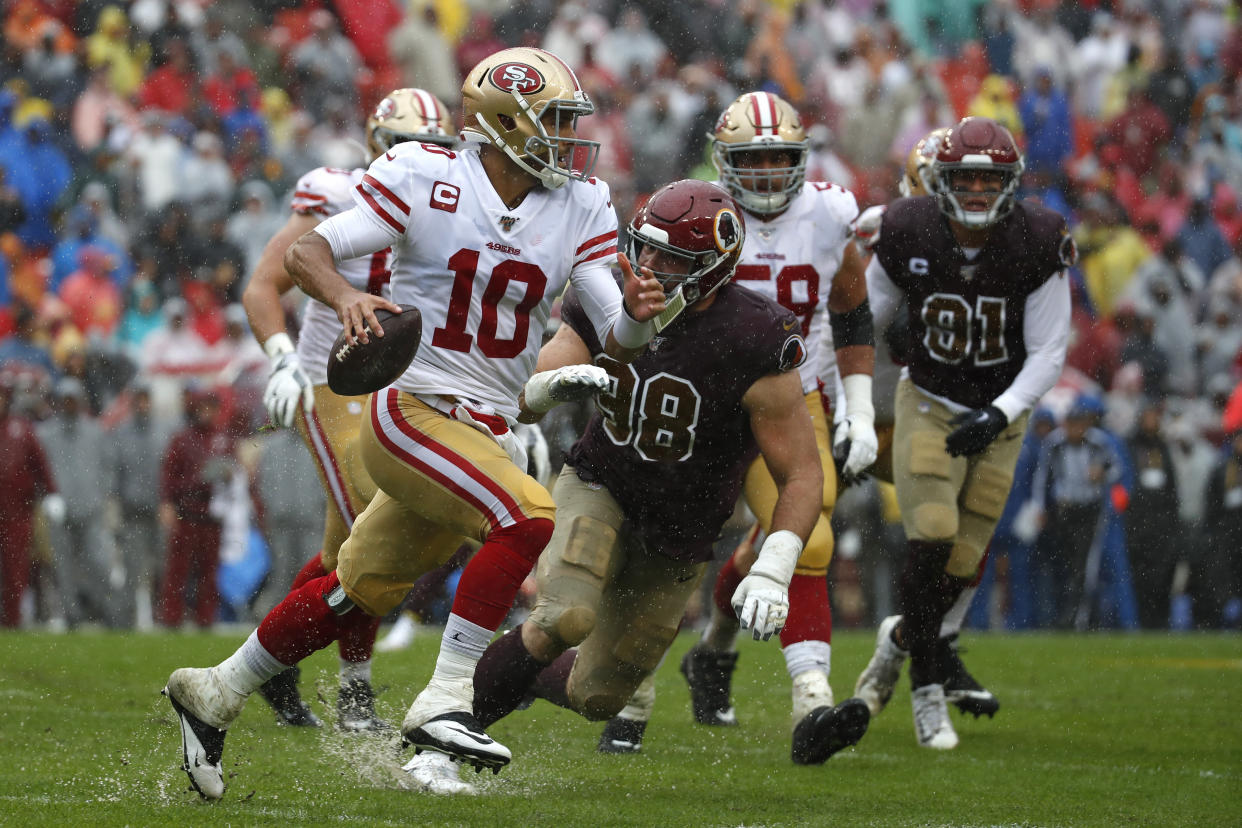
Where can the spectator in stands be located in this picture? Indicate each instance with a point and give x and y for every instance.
(162, 251)
(138, 445)
(98, 110)
(1215, 570)
(174, 85)
(1138, 132)
(79, 457)
(231, 86)
(175, 348)
(25, 482)
(326, 63)
(1152, 518)
(254, 223)
(82, 231)
(1049, 124)
(91, 294)
(1201, 238)
(142, 316)
(208, 180)
(12, 212)
(40, 172)
(197, 460)
(424, 55)
(1077, 470)
(110, 47)
(157, 159)
(24, 352)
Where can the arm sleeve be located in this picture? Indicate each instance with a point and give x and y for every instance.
(1045, 330)
(355, 233)
(884, 295)
(592, 273)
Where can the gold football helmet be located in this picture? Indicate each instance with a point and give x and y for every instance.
(409, 115)
(756, 125)
(918, 164)
(526, 102)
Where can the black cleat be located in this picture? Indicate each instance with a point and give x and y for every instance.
(460, 735)
(202, 748)
(622, 736)
(281, 692)
(355, 707)
(960, 687)
(710, 676)
(827, 730)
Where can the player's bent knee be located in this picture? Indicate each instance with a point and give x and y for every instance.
(574, 625)
(933, 522)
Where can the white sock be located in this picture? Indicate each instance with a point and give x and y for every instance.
(720, 634)
(247, 669)
(465, 637)
(952, 622)
(355, 671)
(808, 655)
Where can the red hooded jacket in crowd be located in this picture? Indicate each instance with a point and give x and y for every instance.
(186, 478)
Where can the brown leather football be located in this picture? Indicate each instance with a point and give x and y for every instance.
(359, 369)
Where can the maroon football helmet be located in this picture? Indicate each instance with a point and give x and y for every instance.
(976, 145)
(694, 222)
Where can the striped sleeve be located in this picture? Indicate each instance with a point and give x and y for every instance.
(380, 192)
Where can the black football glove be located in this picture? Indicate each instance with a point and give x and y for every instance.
(975, 430)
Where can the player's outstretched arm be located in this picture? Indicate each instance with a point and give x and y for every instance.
(312, 267)
(782, 428)
(854, 445)
(643, 302)
(270, 280)
(564, 374)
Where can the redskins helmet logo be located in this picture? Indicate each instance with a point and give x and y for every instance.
(727, 230)
(516, 77)
(386, 109)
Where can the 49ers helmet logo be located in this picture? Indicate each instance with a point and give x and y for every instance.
(516, 77)
(386, 109)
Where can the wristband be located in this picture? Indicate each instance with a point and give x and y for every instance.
(277, 345)
(858, 396)
(778, 557)
(629, 332)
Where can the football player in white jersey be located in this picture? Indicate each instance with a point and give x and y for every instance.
(485, 238)
(297, 392)
(799, 252)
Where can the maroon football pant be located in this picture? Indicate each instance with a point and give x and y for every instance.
(193, 552)
(15, 534)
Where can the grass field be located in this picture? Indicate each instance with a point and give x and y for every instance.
(1093, 731)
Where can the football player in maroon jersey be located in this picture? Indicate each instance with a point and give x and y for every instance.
(647, 489)
(988, 309)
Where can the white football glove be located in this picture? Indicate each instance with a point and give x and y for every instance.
(761, 600)
(548, 389)
(54, 507)
(287, 388)
(854, 444)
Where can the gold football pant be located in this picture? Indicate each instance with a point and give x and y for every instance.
(330, 433)
(948, 499)
(602, 591)
(440, 481)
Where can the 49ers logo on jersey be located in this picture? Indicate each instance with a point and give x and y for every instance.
(516, 77)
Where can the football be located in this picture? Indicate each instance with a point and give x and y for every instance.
(359, 369)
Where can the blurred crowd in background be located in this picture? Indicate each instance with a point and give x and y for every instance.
(148, 150)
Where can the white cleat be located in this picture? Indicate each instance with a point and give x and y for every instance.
(436, 773)
(205, 708)
(443, 721)
(810, 692)
(400, 635)
(875, 685)
(931, 718)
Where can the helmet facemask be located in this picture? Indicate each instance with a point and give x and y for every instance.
(761, 190)
(948, 182)
(546, 153)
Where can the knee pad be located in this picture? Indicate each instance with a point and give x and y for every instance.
(573, 625)
(933, 522)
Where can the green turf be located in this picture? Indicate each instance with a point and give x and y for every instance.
(1093, 731)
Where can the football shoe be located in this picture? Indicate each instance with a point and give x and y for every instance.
(437, 773)
(400, 634)
(875, 685)
(622, 736)
(960, 687)
(710, 676)
(931, 718)
(442, 720)
(355, 708)
(205, 708)
(281, 692)
(827, 730)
